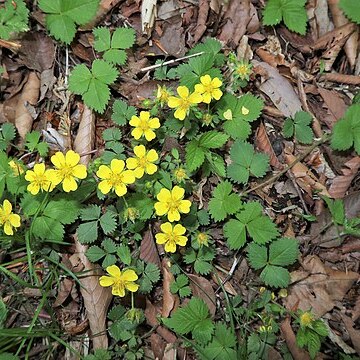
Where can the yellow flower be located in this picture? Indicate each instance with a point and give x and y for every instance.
(114, 177)
(162, 94)
(171, 236)
(306, 318)
(39, 179)
(67, 171)
(180, 174)
(7, 219)
(143, 162)
(209, 88)
(172, 203)
(202, 239)
(119, 280)
(183, 103)
(16, 167)
(144, 126)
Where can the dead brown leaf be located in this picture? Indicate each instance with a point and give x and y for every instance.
(170, 301)
(353, 333)
(64, 291)
(334, 102)
(341, 183)
(317, 287)
(157, 344)
(29, 95)
(204, 8)
(148, 249)
(341, 78)
(203, 289)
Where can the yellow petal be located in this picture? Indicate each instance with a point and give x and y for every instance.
(152, 155)
(30, 175)
(161, 208)
(128, 176)
(166, 228)
(216, 82)
(135, 121)
(132, 163)
(129, 275)
(72, 158)
(114, 271)
(179, 229)
(58, 160)
(106, 281)
(132, 286)
(199, 88)
(33, 188)
(54, 176)
(180, 113)
(118, 291)
(104, 186)
(103, 172)
(80, 171)
(120, 190)
(117, 166)
(8, 229)
(184, 206)
(161, 238)
(14, 220)
(154, 123)
(170, 246)
(150, 169)
(205, 80)
(183, 92)
(181, 240)
(69, 184)
(149, 135)
(195, 98)
(164, 195)
(137, 133)
(139, 172)
(7, 207)
(177, 193)
(39, 169)
(144, 115)
(173, 215)
(206, 98)
(140, 151)
(217, 94)
(174, 102)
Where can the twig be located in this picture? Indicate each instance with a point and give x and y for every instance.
(152, 67)
(66, 65)
(323, 139)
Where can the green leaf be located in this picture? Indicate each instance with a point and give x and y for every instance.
(257, 256)
(63, 210)
(88, 232)
(275, 276)
(346, 131)
(235, 232)
(194, 318)
(62, 15)
(123, 38)
(91, 212)
(102, 39)
(13, 18)
(30, 204)
(122, 113)
(108, 222)
(109, 259)
(109, 245)
(313, 343)
(95, 253)
(213, 139)
(124, 254)
(351, 9)
(48, 229)
(320, 328)
(216, 163)
(299, 127)
(7, 134)
(93, 85)
(195, 155)
(283, 252)
(115, 56)
(293, 13)
(246, 162)
(223, 202)
(262, 229)
(288, 128)
(237, 128)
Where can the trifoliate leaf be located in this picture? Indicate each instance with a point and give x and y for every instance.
(237, 128)
(62, 15)
(109, 245)
(293, 13)
(262, 229)
(88, 232)
(48, 229)
(283, 252)
(122, 113)
(95, 253)
(213, 139)
(91, 212)
(246, 162)
(223, 202)
(193, 317)
(93, 85)
(351, 9)
(195, 155)
(102, 39)
(299, 127)
(346, 131)
(63, 210)
(210, 46)
(13, 18)
(123, 38)
(275, 276)
(235, 232)
(108, 222)
(201, 259)
(257, 256)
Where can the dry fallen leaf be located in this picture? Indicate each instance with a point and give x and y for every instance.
(148, 249)
(353, 333)
(170, 301)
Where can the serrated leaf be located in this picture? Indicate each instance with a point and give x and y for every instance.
(62, 15)
(48, 229)
(80, 79)
(104, 72)
(288, 128)
(351, 9)
(110, 259)
(195, 155)
(257, 256)
(94, 253)
(223, 203)
(235, 232)
(123, 38)
(102, 39)
(8, 132)
(213, 139)
(122, 113)
(216, 163)
(63, 210)
(203, 217)
(88, 232)
(283, 252)
(30, 204)
(124, 254)
(275, 276)
(185, 291)
(313, 343)
(262, 230)
(237, 128)
(320, 328)
(13, 19)
(109, 245)
(108, 222)
(91, 212)
(115, 56)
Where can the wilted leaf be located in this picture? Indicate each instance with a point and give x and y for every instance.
(148, 249)
(170, 301)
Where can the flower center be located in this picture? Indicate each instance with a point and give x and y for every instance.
(66, 171)
(116, 179)
(144, 125)
(142, 161)
(119, 285)
(209, 88)
(242, 70)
